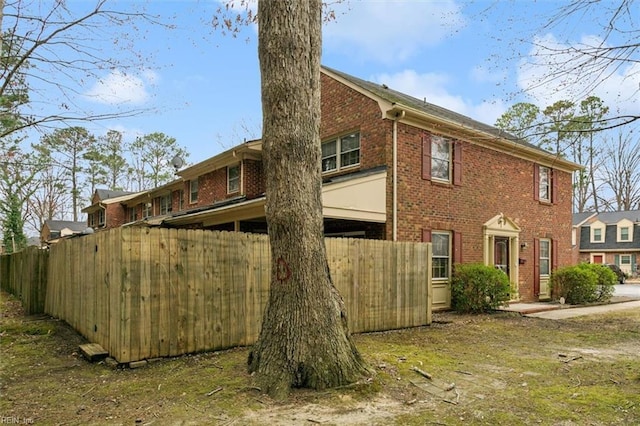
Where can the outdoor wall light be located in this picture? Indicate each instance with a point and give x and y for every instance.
(523, 246)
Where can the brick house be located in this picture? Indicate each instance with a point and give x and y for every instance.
(398, 168)
(53, 230)
(106, 209)
(609, 238)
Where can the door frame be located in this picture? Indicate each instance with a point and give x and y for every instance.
(503, 227)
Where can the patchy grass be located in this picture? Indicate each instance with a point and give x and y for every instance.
(487, 369)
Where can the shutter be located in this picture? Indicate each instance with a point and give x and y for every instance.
(617, 259)
(457, 163)
(554, 255)
(426, 157)
(536, 182)
(554, 186)
(457, 247)
(536, 267)
(426, 235)
(633, 263)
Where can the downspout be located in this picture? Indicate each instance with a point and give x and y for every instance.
(399, 115)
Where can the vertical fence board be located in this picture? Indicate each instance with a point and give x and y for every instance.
(145, 295)
(161, 314)
(174, 295)
(197, 280)
(208, 290)
(218, 290)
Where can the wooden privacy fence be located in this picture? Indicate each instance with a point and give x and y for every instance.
(24, 274)
(150, 292)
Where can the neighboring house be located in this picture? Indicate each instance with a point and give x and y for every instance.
(612, 238)
(53, 230)
(105, 210)
(399, 168)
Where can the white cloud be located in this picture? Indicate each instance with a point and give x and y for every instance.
(433, 88)
(119, 87)
(390, 31)
(550, 73)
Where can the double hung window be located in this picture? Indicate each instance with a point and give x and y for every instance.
(341, 152)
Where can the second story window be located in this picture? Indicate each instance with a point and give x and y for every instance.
(440, 158)
(101, 217)
(133, 214)
(181, 199)
(341, 153)
(597, 235)
(624, 233)
(165, 204)
(146, 210)
(233, 179)
(544, 188)
(193, 191)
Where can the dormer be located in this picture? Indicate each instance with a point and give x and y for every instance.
(597, 233)
(624, 231)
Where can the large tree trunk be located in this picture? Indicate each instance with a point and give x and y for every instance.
(304, 341)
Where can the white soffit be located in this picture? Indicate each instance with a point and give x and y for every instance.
(362, 198)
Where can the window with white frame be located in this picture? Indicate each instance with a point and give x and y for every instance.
(133, 214)
(146, 210)
(440, 158)
(193, 191)
(596, 235)
(624, 233)
(233, 179)
(341, 152)
(545, 256)
(625, 259)
(544, 187)
(441, 255)
(165, 204)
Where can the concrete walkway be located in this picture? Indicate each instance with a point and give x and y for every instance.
(625, 296)
(571, 312)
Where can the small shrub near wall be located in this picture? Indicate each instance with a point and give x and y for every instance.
(478, 288)
(584, 283)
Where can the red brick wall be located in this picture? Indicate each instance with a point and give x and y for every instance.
(345, 110)
(253, 178)
(492, 183)
(115, 215)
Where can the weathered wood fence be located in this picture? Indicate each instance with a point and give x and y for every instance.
(24, 274)
(150, 292)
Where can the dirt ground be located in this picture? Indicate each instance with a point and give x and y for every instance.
(484, 370)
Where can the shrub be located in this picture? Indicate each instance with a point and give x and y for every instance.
(576, 284)
(607, 279)
(478, 288)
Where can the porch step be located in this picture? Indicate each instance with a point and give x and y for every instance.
(529, 308)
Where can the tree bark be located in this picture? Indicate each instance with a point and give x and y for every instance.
(304, 341)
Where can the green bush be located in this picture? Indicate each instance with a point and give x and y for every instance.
(606, 281)
(577, 284)
(478, 288)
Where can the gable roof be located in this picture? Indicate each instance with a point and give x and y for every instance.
(489, 135)
(580, 218)
(615, 217)
(58, 225)
(105, 194)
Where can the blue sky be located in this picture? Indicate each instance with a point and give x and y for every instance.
(473, 57)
